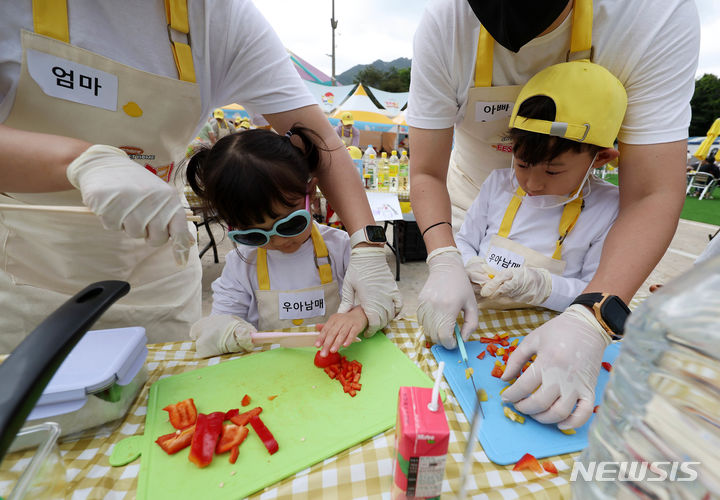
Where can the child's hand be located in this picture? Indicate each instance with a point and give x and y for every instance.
(341, 329)
(479, 273)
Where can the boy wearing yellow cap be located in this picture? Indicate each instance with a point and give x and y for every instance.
(534, 234)
(347, 131)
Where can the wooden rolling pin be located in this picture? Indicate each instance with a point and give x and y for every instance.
(74, 210)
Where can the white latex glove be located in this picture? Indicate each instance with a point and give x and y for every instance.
(220, 334)
(128, 197)
(479, 273)
(569, 351)
(531, 285)
(447, 291)
(369, 283)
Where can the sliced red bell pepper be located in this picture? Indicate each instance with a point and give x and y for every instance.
(527, 461)
(232, 435)
(606, 365)
(264, 434)
(270, 398)
(234, 453)
(496, 371)
(245, 400)
(207, 431)
(595, 409)
(492, 349)
(504, 343)
(174, 442)
(549, 467)
(244, 418)
(231, 413)
(428, 344)
(324, 362)
(182, 414)
(481, 355)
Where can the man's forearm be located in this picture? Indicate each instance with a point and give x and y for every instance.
(36, 163)
(431, 204)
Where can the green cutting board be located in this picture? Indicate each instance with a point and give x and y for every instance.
(311, 418)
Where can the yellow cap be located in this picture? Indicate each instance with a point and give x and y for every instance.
(245, 124)
(218, 113)
(347, 118)
(590, 103)
(355, 152)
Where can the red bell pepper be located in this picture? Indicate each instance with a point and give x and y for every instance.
(481, 355)
(549, 467)
(231, 413)
(245, 400)
(606, 365)
(264, 434)
(492, 349)
(232, 436)
(244, 418)
(595, 409)
(174, 442)
(182, 414)
(324, 362)
(207, 431)
(234, 453)
(527, 461)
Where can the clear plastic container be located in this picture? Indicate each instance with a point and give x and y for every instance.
(657, 431)
(44, 477)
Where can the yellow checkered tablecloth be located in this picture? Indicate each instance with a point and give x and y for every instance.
(363, 471)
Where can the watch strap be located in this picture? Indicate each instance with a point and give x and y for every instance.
(358, 237)
(593, 300)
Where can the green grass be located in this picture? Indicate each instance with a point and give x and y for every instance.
(707, 211)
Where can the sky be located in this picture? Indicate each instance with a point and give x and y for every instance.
(369, 30)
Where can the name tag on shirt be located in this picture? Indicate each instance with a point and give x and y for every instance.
(491, 111)
(502, 258)
(68, 80)
(301, 305)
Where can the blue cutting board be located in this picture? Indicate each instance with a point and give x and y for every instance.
(503, 440)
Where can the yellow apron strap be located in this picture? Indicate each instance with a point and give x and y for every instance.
(581, 39)
(484, 59)
(50, 18)
(510, 213)
(177, 17)
(321, 251)
(262, 270)
(569, 217)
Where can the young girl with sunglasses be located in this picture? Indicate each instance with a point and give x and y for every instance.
(287, 270)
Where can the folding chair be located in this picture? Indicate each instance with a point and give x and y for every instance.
(702, 181)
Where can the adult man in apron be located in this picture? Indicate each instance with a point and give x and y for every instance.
(93, 99)
(442, 181)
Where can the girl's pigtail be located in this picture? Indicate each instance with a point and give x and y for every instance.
(194, 172)
(312, 144)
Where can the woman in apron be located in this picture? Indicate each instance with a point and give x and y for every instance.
(287, 270)
(464, 83)
(85, 104)
(534, 233)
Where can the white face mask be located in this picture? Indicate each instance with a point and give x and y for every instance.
(551, 200)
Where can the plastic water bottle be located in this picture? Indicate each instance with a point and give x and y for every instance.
(366, 156)
(403, 173)
(383, 173)
(657, 431)
(393, 168)
(371, 173)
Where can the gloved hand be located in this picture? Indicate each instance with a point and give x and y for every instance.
(479, 273)
(370, 284)
(220, 334)
(127, 196)
(447, 291)
(531, 285)
(569, 351)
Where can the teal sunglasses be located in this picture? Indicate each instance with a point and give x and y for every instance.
(287, 227)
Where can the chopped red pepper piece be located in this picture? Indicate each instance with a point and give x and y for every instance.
(504, 343)
(606, 365)
(174, 442)
(428, 344)
(244, 418)
(264, 434)
(231, 413)
(497, 371)
(549, 467)
(272, 397)
(182, 414)
(481, 355)
(245, 400)
(330, 359)
(492, 349)
(207, 431)
(232, 436)
(596, 408)
(527, 461)
(234, 453)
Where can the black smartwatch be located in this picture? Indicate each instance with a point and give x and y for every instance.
(610, 311)
(368, 234)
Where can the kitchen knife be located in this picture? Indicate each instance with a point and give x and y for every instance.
(463, 354)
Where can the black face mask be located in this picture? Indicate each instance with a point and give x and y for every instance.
(513, 23)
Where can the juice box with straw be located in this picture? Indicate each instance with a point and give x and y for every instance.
(422, 436)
